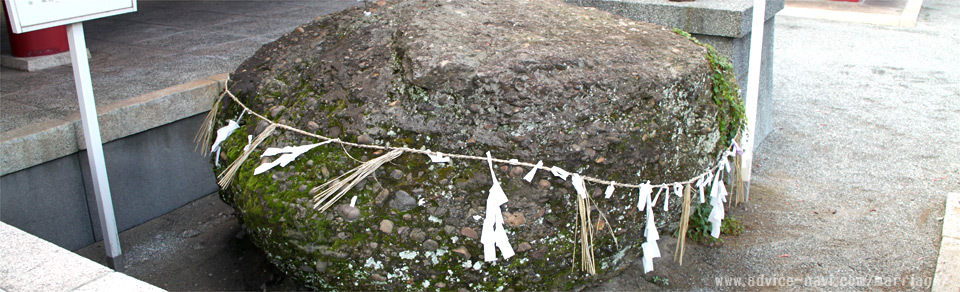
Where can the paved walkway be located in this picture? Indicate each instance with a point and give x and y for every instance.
(866, 147)
(163, 44)
(28, 263)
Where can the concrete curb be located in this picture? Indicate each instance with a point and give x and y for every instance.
(28, 263)
(948, 263)
(36, 144)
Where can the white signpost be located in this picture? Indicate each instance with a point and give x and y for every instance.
(753, 89)
(30, 15)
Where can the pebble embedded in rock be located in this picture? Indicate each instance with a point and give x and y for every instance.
(313, 126)
(516, 171)
(381, 196)
(349, 213)
(396, 174)
(524, 247)
(543, 184)
(275, 111)
(364, 139)
(386, 226)
(332, 132)
(402, 201)
(462, 252)
(469, 232)
(321, 266)
(418, 235)
(514, 219)
(430, 245)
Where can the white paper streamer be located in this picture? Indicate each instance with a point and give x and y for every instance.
(290, 153)
(493, 235)
(650, 248)
(529, 176)
(718, 194)
(437, 157)
(701, 183)
(644, 195)
(223, 133)
(559, 172)
(579, 185)
(249, 141)
(609, 192)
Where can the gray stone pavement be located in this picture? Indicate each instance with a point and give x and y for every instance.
(165, 43)
(32, 264)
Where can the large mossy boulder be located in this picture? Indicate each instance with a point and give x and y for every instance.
(577, 88)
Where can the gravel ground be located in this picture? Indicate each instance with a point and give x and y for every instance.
(851, 185)
(849, 188)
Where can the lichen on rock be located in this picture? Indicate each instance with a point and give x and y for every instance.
(577, 88)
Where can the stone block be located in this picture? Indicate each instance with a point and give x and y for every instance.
(48, 201)
(31, 264)
(152, 173)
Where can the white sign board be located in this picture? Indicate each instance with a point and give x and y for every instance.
(30, 15)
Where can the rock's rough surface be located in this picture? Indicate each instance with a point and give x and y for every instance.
(534, 80)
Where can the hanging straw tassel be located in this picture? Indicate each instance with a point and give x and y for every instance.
(206, 128)
(333, 190)
(586, 236)
(227, 175)
(684, 224)
(586, 226)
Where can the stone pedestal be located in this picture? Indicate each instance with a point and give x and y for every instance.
(725, 24)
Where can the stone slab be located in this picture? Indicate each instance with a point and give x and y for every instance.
(727, 18)
(131, 116)
(948, 267)
(48, 140)
(151, 173)
(31, 64)
(48, 201)
(951, 216)
(948, 262)
(32, 264)
(28, 263)
(36, 143)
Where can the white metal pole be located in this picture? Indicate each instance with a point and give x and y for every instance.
(753, 90)
(91, 134)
